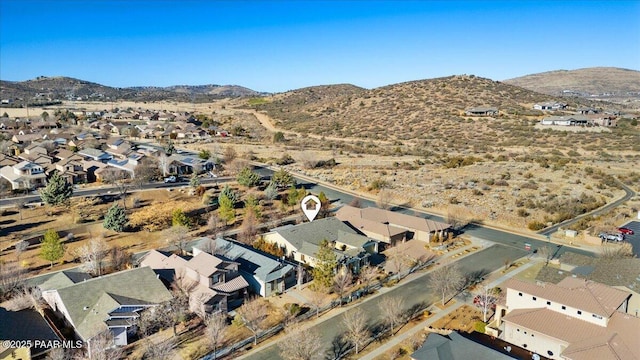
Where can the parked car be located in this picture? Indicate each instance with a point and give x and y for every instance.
(170, 179)
(611, 237)
(626, 231)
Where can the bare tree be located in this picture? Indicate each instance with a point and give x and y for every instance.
(20, 203)
(12, 278)
(229, 154)
(446, 280)
(103, 347)
(392, 309)
(146, 171)
(26, 298)
(177, 236)
(249, 228)
(119, 179)
(160, 350)
(253, 313)
(163, 163)
(357, 328)
(301, 345)
(398, 261)
(21, 246)
(59, 353)
(216, 331)
(367, 274)
(317, 300)
(485, 298)
(356, 203)
(212, 224)
(384, 199)
(342, 280)
(120, 258)
(92, 255)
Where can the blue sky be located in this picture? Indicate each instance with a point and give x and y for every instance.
(282, 45)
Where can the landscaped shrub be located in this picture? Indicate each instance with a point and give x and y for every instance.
(480, 327)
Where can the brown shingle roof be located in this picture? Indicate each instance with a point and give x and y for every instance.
(581, 294)
(354, 217)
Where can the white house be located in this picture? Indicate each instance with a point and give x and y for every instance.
(24, 175)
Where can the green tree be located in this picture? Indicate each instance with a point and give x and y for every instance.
(51, 248)
(278, 137)
(115, 219)
(230, 194)
(293, 196)
(179, 218)
(282, 178)
(251, 204)
(195, 181)
(325, 265)
(44, 115)
(204, 154)
(271, 192)
(248, 178)
(5, 115)
(58, 190)
(226, 208)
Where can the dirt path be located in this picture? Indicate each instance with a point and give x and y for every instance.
(267, 122)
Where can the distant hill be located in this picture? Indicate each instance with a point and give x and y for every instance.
(43, 90)
(609, 83)
(400, 111)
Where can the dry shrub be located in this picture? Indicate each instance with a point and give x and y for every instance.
(157, 217)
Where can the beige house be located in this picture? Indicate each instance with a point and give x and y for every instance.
(24, 175)
(390, 226)
(215, 280)
(576, 319)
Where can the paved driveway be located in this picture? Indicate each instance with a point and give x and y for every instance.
(634, 239)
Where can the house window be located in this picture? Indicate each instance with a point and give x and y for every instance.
(549, 352)
(579, 312)
(564, 307)
(596, 316)
(548, 302)
(519, 294)
(534, 298)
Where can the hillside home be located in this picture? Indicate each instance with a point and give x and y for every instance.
(391, 226)
(302, 242)
(266, 274)
(217, 281)
(25, 175)
(186, 164)
(550, 106)
(575, 319)
(112, 302)
(482, 111)
(587, 110)
(570, 120)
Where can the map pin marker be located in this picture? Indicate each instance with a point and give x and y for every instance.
(310, 206)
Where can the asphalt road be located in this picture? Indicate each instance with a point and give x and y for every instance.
(414, 293)
(112, 190)
(501, 237)
(628, 195)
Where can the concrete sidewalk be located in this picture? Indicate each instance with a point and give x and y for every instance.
(438, 314)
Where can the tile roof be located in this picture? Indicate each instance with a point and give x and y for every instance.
(581, 294)
(354, 216)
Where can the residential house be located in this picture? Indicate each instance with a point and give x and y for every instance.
(587, 110)
(217, 279)
(574, 319)
(372, 228)
(623, 274)
(8, 160)
(302, 242)
(26, 138)
(25, 326)
(415, 227)
(71, 169)
(482, 111)
(265, 274)
(570, 120)
(604, 120)
(550, 106)
(93, 169)
(118, 147)
(24, 175)
(112, 302)
(455, 347)
(187, 164)
(95, 155)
